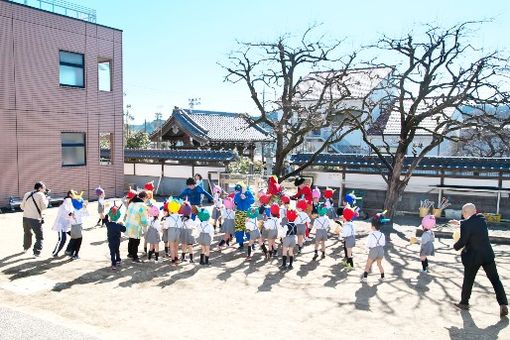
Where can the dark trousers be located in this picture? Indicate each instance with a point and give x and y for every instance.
(62, 236)
(133, 244)
(492, 274)
(32, 225)
(74, 246)
(114, 251)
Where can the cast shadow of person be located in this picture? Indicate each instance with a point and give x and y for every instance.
(470, 330)
(5, 261)
(34, 268)
(363, 296)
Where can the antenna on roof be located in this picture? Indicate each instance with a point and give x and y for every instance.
(194, 102)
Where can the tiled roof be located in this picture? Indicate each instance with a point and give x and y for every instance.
(215, 126)
(360, 82)
(429, 162)
(389, 122)
(179, 155)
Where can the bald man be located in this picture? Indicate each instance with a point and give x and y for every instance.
(477, 252)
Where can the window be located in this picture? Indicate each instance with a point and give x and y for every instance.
(73, 149)
(105, 148)
(104, 76)
(72, 71)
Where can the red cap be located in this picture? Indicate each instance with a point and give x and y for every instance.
(349, 214)
(275, 210)
(130, 194)
(264, 199)
(291, 215)
(328, 193)
(301, 204)
(149, 186)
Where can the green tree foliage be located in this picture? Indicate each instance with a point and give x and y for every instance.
(138, 140)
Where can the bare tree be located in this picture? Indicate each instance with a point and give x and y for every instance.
(483, 143)
(439, 87)
(297, 88)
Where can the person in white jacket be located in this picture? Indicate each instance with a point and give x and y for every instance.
(62, 224)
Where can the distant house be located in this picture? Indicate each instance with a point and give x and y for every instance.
(358, 86)
(385, 132)
(201, 129)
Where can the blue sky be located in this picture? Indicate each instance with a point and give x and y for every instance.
(171, 48)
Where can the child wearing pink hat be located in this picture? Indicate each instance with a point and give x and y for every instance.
(228, 224)
(427, 241)
(152, 236)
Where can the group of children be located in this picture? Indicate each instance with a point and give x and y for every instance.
(179, 224)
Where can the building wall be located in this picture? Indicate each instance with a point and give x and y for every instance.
(35, 109)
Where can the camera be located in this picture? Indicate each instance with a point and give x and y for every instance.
(47, 191)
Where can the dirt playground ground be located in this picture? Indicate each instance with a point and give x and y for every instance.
(235, 299)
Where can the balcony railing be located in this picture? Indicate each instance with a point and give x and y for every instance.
(62, 7)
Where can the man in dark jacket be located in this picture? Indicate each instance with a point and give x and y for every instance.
(477, 252)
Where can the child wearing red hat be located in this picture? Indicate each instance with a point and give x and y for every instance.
(302, 221)
(348, 235)
(289, 240)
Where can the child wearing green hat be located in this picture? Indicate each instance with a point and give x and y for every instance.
(113, 232)
(206, 234)
(321, 225)
(253, 229)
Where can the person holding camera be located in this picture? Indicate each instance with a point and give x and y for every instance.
(33, 203)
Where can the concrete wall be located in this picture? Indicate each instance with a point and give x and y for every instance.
(35, 109)
(419, 188)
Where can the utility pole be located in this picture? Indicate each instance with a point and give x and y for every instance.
(159, 116)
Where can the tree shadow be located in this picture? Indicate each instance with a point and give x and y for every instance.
(338, 274)
(470, 330)
(98, 243)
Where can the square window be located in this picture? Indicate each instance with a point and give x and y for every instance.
(104, 75)
(105, 148)
(72, 70)
(73, 149)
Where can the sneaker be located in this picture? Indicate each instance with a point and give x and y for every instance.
(503, 310)
(137, 260)
(283, 267)
(248, 258)
(75, 257)
(315, 257)
(191, 261)
(36, 255)
(382, 279)
(156, 261)
(128, 255)
(461, 306)
(323, 256)
(290, 267)
(424, 271)
(26, 250)
(363, 280)
(119, 263)
(114, 268)
(349, 267)
(299, 252)
(68, 253)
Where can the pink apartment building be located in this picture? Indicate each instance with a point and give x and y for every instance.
(60, 100)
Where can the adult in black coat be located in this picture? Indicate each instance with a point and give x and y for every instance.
(477, 252)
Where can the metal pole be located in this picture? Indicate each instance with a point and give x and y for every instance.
(499, 200)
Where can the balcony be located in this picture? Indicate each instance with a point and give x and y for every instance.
(61, 7)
